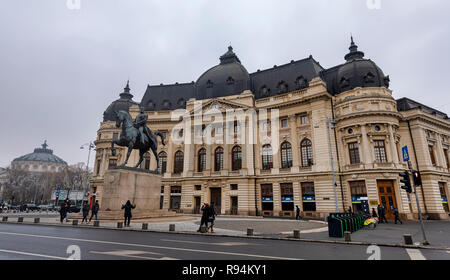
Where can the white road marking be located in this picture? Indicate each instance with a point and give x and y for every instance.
(219, 244)
(32, 254)
(128, 253)
(415, 255)
(150, 246)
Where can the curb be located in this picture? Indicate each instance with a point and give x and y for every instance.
(360, 243)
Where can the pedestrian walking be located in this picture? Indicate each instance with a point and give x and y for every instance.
(127, 213)
(350, 209)
(204, 219)
(62, 212)
(85, 212)
(67, 203)
(374, 213)
(397, 216)
(94, 211)
(379, 210)
(383, 214)
(297, 213)
(211, 217)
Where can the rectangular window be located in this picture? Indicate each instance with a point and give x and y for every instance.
(99, 162)
(234, 187)
(267, 197)
(380, 151)
(115, 136)
(198, 187)
(447, 162)
(308, 196)
(353, 149)
(357, 190)
(112, 162)
(284, 123)
(287, 197)
(444, 196)
(304, 119)
(433, 159)
(175, 197)
(236, 127)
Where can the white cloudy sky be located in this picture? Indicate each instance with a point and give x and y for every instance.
(61, 68)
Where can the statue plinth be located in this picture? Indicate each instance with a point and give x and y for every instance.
(141, 187)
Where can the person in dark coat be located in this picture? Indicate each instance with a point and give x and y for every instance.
(63, 212)
(67, 203)
(397, 216)
(127, 213)
(204, 219)
(350, 209)
(297, 213)
(85, 212)
(383, 214)
(374, 213)
(94, 211)
(211, 217)
(379, 210)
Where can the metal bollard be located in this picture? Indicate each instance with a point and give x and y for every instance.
(408, 239)
(119, 224)
(145, 226)
(20, 220)
(171, 227)
(249, 232)
(5, 219)
(348, 236)
(96, 223)
(75, 222)
(296, 234)
(37, 220)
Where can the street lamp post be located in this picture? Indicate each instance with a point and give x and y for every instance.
(86, 185)
(332, 161)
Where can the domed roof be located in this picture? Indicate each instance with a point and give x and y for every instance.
(123, 103)
(227, 78)
(41, 155)
(356, 72)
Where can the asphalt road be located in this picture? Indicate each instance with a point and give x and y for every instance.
(37, 242)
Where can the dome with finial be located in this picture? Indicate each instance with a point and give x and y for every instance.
(123, 103)
(228, 78)
(41, 155)
(355, 72)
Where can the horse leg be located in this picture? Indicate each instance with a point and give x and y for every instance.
(141, 158)
(154, 150)
(130, 149)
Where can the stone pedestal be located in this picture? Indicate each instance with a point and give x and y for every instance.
(141, 187)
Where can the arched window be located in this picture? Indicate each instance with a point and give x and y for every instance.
(286, 155)
(218, 155)
(267, 157)
(147, 161)
(162, 162)
(179, 162)
(307, 154)
(282, 87)
(237, 158)
(201, 160)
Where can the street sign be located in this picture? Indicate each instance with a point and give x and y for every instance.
(405, 153)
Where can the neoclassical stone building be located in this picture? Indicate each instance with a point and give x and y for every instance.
(302, 124)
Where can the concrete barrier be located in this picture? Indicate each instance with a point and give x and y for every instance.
(297, 234)
(145, 226)
(171, 227)
(96, 223)
(75, 222)
(37, 220)
(119, 224)
(408, 239)
(249, 232)
(20, 220)
(5, 219)
(348, 236)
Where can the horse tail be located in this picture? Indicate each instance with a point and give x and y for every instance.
(158, 133)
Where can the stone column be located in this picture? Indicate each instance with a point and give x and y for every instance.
(366, 152)
(295, 141)
(276, 199)
(393, 145)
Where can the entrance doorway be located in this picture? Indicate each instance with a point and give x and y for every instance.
(234, 205)
(197, 205)
(216, 199)
(386, 194)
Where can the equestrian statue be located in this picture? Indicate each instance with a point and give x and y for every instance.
(136, 135)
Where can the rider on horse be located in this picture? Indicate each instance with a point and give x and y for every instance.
(141, 124)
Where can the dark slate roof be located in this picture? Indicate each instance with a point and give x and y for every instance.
(41, 155)
(167, 97)
(284, 78)
(355, 72)
(406, 104)
(123, 103)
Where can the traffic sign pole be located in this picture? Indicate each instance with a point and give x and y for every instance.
(425, 242)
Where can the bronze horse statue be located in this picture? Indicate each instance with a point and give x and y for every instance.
(130, 137)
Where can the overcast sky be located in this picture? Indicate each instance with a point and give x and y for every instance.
(60, 68)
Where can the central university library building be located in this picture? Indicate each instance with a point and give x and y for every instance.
(280, 134)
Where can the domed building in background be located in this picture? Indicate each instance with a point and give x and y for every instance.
(40, 161)
(342, 119)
